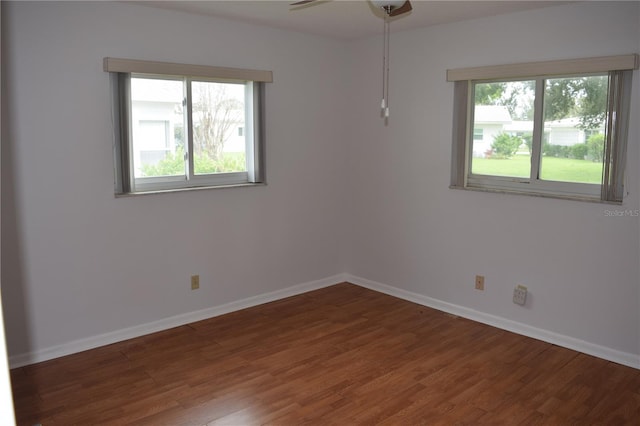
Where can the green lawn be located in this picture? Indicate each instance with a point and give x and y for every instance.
(558, 169)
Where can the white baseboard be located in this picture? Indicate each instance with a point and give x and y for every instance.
(624, 358)
(167, 323)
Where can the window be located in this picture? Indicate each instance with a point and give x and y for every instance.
(177, 125)
(154, 143)
(554, 128)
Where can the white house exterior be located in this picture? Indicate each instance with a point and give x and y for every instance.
(566, 133)
(491, 120)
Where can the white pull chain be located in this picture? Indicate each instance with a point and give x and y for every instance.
(384, 105)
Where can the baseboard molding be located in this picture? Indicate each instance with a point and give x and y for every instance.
(624, 358)
(80, 345)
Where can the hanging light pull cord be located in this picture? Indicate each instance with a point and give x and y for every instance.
(385, 68)
(383, 104)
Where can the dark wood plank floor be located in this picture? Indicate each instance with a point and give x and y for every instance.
(337, 356)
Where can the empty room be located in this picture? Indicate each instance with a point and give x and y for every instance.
(327, 213)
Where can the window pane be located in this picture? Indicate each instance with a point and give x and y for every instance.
(218, 127)
(157, 123)
(503, 128)
(574, 125)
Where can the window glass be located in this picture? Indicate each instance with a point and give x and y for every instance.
(218, 111)
(575, 111)
(503, 116)
(553, 128)
(182, 126)
(157, 120)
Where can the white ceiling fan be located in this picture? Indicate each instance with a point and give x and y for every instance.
(391, 9)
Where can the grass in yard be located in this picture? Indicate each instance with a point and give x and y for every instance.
(571, 170)
(558, 169)
(518, 166)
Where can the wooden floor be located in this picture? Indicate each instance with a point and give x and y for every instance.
(338, 356)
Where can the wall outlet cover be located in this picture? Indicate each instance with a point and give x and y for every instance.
(480, 282)
(520, 295)
(195, 282)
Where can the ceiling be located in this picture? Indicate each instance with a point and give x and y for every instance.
(346, 20)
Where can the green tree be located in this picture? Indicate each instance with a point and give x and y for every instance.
(489, 93)
(584, 97)
(505, 145)
(559, 101)
(595, 147)
(516, 96)
(593, 104)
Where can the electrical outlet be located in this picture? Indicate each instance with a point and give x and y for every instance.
(195, 282)
(480, 282)
(520, 295)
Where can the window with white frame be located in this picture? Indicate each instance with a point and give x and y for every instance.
(478, 133)
(177, 125)
(555, 128)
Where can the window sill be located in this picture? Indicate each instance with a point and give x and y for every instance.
(536, 194)
(190, 189)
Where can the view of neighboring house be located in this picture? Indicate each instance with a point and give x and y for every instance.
(156, 114)
(158, 122)
(566, 132)
(491, 120)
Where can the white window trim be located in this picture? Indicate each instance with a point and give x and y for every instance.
(461, 177)
(121, 72)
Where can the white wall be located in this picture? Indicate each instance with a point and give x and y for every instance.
(78, 262)
(345, 193)
(6, 401)
(412, 232)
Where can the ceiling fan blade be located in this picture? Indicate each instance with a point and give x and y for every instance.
(300, 3)
(406, 7)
